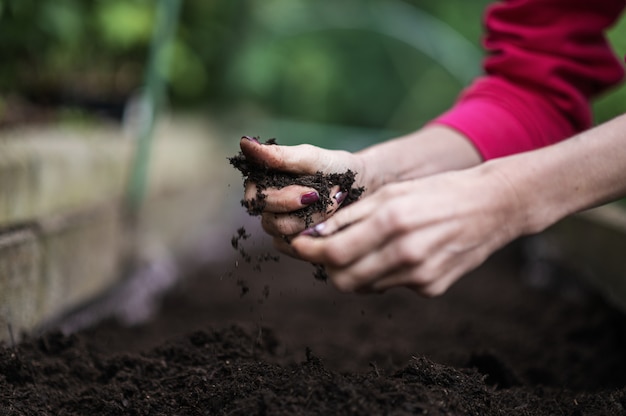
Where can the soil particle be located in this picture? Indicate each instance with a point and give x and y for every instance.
(260, 258)
(240, 235)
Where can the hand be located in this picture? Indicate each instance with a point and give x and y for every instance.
(300, 160)
(421, 234)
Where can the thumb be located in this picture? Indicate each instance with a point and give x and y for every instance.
(302, 159)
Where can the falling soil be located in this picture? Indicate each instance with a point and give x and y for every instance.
(493, 345)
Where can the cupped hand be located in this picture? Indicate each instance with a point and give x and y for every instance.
(422, 234)
(279, 204)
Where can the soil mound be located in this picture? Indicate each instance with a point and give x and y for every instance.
(291, 345)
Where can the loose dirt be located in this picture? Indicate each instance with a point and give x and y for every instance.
(267, 178)
(492, 345)
(236, 338)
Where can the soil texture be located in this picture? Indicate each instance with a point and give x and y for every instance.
(268, 178)
(493, 345)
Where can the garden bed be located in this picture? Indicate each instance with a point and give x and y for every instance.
(233, 340)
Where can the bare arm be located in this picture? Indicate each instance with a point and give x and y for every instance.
(582, 172)
(425, 234)
(431, 150)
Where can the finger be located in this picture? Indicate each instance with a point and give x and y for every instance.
(440, 285)
(279, 225)
(416, 276)
(282, 244)
(341, 248)
(350, 234)
(287, 199)
(342, 218)
(398, 253)
(290, 224)
(400, 277)
(337, 196)
(429, 279)
(302, 159)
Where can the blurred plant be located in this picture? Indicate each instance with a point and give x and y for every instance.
(76, 52)
(614, 103)
(56, 51)
(124, 24)
(379, 64)
(369, 63)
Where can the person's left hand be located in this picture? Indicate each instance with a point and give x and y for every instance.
(422, 234)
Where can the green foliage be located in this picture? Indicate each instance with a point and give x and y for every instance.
(123, 24)
(380, 64)
(614, 103)
(352, 62)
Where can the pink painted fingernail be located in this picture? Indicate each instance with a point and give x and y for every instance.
(340, 197)
(309, 198)
(310, 232)
(314, 231)
(320, 227)
(252, 139)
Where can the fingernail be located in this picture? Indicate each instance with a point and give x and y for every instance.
(309, 198)
(310, 232)
(320, 227)
(340, 196)
(314, 231)
(252, 139)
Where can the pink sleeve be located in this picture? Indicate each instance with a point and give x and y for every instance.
(546, 60)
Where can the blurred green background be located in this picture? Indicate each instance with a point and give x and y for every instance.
(338, 74)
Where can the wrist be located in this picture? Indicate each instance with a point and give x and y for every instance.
(433, 149)
(529, 208)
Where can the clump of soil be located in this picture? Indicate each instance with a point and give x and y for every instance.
(323, 183)
(265, 178)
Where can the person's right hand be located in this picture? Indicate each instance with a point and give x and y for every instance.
(299, 160)
(422, 234)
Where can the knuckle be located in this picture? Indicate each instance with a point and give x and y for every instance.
(432, 291)
(284, 247)
(343, 285)
(334, 255)
(283, 205)
(385, 193)
(269, 226)
(277, 225)
(305, 147)
(420, 278)
(393, 219)
(407, 254)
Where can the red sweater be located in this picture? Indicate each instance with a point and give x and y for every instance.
(546, 60)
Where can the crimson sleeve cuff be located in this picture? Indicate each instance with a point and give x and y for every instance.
(501, 119)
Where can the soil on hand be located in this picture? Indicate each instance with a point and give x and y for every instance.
(265, 178)
(323, 183)
(493, 345)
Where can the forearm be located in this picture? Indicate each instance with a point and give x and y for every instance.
(431, 150)
(579, 173)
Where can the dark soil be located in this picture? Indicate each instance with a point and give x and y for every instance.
(290, 345)
(267, 178)
(255, 335)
